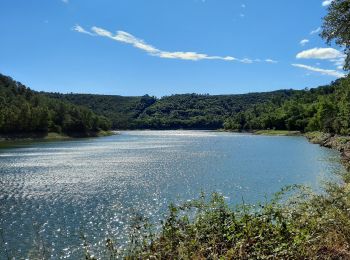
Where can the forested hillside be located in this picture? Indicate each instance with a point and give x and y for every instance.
(122, 111)
(25, 111)
(187, 111)
(202, 111)
(325, 109)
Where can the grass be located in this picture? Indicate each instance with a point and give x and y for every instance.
(10, 140)
(317, 137)
(277, 132)
(56, 136)
(51, 136)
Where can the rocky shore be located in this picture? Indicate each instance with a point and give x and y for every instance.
(338, 142)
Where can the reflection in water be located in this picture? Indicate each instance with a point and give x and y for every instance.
(58, 190)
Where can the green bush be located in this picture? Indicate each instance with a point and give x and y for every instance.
(295, 224)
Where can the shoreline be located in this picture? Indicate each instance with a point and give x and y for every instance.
(52, 136)
(265, 132)
(338, 142)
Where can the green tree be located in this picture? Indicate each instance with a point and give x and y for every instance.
(336, 26)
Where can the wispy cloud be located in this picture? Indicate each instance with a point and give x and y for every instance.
(128, 38)
(327, 2)
(80, 29)
(320, 53)
(125, 37)
(271, 61)
(339, 63)
(65, 1)
(317, 30)
(333, 73)
(304, 42)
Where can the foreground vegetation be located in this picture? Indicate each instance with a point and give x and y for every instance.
(313, 226)
(296, 224)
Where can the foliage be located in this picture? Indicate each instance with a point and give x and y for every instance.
(336, 26)
(325, 109)
(25, 111)
(193, 111)
(188, 111)
(295, 224)
(121, 111)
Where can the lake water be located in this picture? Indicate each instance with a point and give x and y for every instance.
(55, 191)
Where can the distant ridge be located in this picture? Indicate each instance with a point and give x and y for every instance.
(325, 108)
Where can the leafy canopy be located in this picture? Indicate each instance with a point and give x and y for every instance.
(336, 27)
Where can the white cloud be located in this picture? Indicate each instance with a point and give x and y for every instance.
(246, 60)
(320, 53)
(317, 30)
(101, 32)
(65, 1)
(80, 29)
(330, 54)
(333, 73)
(271, 61)
(128, 38)
(189, 56)
(304, 42)
(327, 2)
(339, 63)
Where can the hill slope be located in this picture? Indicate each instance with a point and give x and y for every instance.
(122, 111)
(326, 108)
(25, 111)
(188, 111)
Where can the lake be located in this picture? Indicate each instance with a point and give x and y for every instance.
(56, 191)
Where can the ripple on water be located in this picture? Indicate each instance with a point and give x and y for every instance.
(59, 190)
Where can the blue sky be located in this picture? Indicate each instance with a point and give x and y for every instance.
(162, 47)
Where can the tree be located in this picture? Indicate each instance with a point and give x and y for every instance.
(25, 111)
(336, 27)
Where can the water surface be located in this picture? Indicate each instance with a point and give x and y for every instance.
(55, 191)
